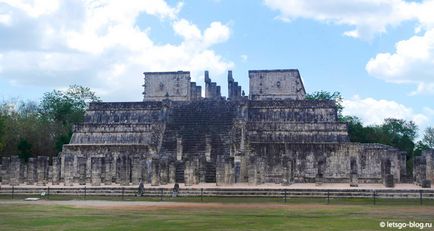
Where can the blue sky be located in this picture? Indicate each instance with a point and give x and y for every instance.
(378, 53)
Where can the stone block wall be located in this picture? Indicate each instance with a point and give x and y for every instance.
(276, 85)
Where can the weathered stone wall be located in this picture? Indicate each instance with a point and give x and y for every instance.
(276, 85)
(167, 85)
(212, 90)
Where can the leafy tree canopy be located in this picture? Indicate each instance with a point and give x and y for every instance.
(428, 137)
(325, 95)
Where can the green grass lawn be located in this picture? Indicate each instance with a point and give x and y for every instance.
(230, 214)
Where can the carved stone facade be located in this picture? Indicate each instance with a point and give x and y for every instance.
(274, 136)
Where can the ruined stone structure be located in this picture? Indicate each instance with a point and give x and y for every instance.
(175, 135)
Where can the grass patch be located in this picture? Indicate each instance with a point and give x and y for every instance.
(231, 215)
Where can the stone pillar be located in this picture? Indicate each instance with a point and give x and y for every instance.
(55, 179)
(220, 170)
(419, 169)
(319, 178)
(188, 173)
(354, 181)
(5, 175)
(208, 148)
(229, 171)
(82, 170)
(172, 173)
(243, 169)
(42, 170)
(88, 170)
(14, 170)
(124, 170)
(108, 173)
(178, 148)
(287, 171)
(136, 169)
(23, 172)
(31, 171)
(389, 181)
(260, 171)
(201, 170)
(252, 171)
(96, 167)
(164, 172)
(155, 177)
(68, 171)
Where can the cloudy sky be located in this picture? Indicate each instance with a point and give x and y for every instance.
(378, 53)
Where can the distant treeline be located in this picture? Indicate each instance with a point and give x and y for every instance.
(29, 128)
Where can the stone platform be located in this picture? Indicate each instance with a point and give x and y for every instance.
(238, 190)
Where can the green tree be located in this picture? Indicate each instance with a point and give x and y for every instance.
(428, 137)
(63, 109)
(24, 149)
(31, 129)
(325, 95)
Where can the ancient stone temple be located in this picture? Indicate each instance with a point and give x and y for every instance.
(174, 135)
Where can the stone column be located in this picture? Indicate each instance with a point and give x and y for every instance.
(68, 171)
(42, 170)
(178, 148)
(82, 170)
(14, 170)
(31, 171)
(155, 177)
(229, 171)
(55, 179)
(208, 148)
(220, 170)
(124, 170)
(88, 171)
(96, 165)
(108, 178)
(251, 172)
(5, 170)
(389, 181)
(243, 169)
(23, 172)
(354, 181)
(136, 169)
(172, 173)
(164, 172)
(286, 171)
(188, 173)
(260, 171)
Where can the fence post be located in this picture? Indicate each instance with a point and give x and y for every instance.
(161, 194)
(373, 195)
(13, 190)
(420, 197)
(328, 196)
(123, 190)
(201, 194)
(85, 192)
(48, 192)
(285, 192)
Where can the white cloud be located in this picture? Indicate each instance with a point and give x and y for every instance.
(99, 44)
(412, 62)
(374, 111)
(244, 58)
(35, 8)
(368, 17)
